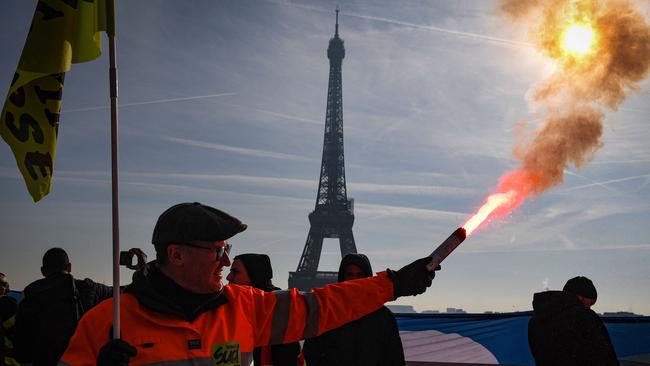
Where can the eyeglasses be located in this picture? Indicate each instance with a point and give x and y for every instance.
(219, 251)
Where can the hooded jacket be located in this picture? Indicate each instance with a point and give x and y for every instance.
(260, 272)
(562, 332)
(370, 341)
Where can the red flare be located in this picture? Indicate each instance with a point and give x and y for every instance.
(513, 189)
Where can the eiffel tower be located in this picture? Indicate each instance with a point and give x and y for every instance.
(333, 215)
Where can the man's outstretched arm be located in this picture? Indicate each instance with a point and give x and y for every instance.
(298, 315)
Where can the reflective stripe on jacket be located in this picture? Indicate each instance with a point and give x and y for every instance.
(227, 334)
(7, 346)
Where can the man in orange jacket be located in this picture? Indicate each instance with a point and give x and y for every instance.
(177, 309)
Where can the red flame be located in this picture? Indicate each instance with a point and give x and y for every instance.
(575, 97)
(513, 188)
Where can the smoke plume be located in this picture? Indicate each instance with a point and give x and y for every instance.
(582, 88)
(576, 96)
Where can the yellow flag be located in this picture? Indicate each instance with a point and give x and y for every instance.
(62, 32)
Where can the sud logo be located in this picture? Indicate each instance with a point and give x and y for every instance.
(226, 354)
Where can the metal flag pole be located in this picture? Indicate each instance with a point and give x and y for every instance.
(110, 31)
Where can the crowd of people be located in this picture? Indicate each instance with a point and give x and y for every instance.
(177, 310)
(38, 331)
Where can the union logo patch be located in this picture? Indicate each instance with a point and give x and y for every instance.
(226, 354)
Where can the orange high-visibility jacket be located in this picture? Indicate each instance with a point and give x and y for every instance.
(226, 335)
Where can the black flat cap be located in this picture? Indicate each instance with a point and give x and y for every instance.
(192, 221)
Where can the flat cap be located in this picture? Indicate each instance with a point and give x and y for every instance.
(192, 221)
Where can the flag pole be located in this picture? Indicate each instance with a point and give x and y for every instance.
(110, 31)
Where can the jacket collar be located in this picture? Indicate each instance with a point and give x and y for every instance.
(157, 292)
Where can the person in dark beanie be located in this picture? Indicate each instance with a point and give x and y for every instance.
(564, 331)
(252, 269)
(255, 270)
(370, 341)
(583, 289)
(52, 306)
(177, 310)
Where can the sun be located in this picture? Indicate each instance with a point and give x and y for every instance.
(578, 39)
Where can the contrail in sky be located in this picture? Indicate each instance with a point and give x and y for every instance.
(412, 25)
(618, 180)
(443, 30)
(592, 184)
(630, 161)
(282, 115)
(237, 150)
(150, 102)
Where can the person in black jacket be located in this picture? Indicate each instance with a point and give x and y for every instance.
(255, 270)
(51, 308)
(564, 331)
(370, 341)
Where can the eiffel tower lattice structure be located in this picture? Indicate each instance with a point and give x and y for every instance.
(333, 215)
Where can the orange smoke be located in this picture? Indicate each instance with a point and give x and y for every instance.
(576, 96)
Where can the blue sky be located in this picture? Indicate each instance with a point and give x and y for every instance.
(223, 102)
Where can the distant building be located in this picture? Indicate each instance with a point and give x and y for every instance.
(620, 313)
(456, 311)
(402, 309)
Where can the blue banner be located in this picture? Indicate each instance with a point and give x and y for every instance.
(501, 338)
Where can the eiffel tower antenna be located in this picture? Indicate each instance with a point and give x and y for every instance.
(336, 28)
(333, 214)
